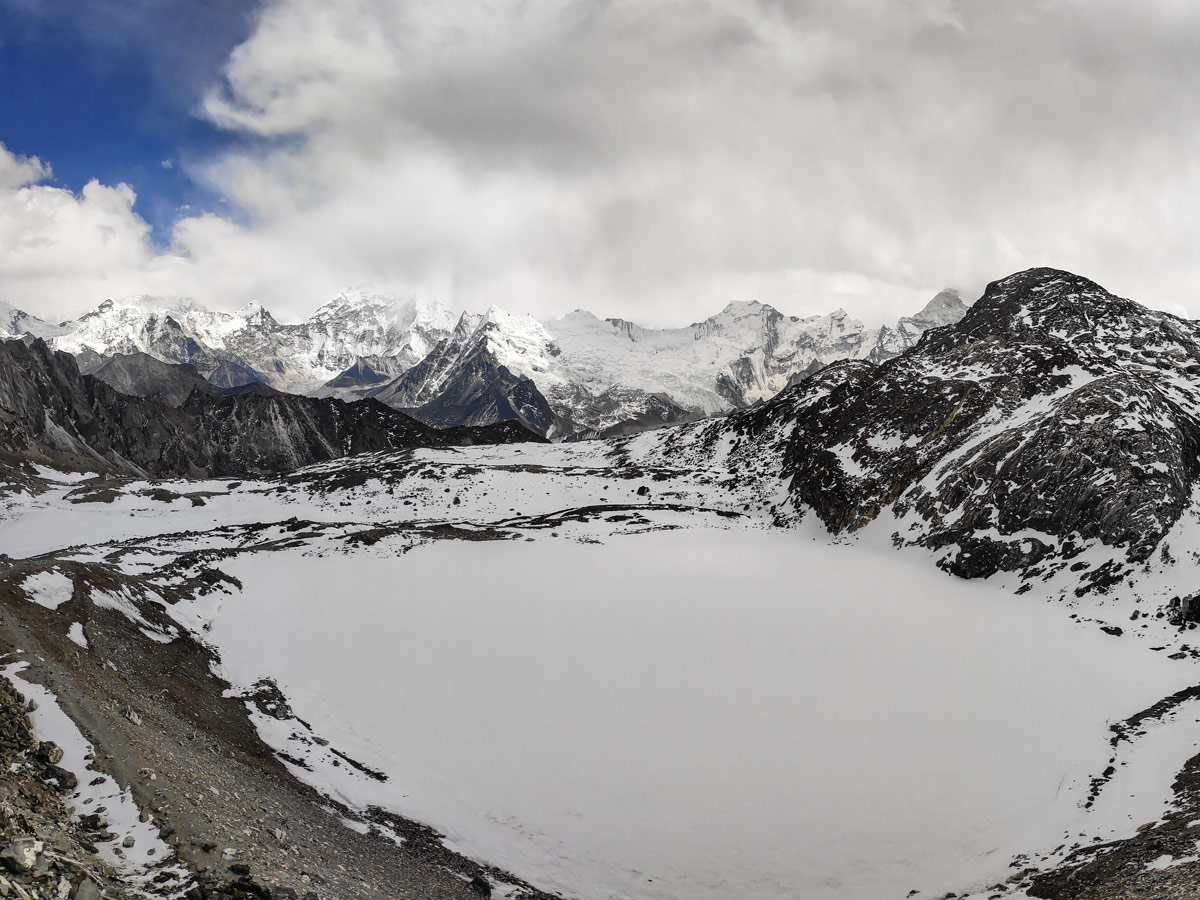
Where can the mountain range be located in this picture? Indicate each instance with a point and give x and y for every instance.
(575, 376)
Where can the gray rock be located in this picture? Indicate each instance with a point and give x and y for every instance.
(21, 855)
(48, 753)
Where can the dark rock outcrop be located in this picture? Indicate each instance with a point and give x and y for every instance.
(141, 375)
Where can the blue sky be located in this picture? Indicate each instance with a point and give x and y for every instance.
(108, 90)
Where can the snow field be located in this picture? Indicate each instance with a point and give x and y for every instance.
(701, 714)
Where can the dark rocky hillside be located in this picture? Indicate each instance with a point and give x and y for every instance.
(141, 374)
(1052, 416)
(51, 413)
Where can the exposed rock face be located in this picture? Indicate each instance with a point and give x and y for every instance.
(360, 375)
(50, 412)
(141, 375)
(230, 374)
(464, 380)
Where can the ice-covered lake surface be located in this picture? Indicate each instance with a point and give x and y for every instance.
(703, 714)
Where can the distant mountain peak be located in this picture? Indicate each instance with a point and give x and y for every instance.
(946, 308)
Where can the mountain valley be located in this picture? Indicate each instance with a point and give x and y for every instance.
(917, 623)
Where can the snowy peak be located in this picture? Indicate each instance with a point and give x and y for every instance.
(944, 309)
(253, 314)
(15, 323)
(482, 373)
(383, 313)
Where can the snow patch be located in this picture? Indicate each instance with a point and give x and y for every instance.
(50, 588)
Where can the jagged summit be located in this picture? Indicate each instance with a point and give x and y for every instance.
(16, 323)
(1044, 297)
(946, 308)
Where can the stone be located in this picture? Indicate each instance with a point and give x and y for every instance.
(1184, 610)
(93, 822)
(48, 753)
(131, 714)
(66, 780)
(21, 855)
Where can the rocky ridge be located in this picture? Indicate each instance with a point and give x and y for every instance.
(50, 413)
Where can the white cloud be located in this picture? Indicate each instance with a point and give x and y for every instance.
(657, 159)
(18, 171)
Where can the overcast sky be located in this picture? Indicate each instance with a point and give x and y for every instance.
(652, 159)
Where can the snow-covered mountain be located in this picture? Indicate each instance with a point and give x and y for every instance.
(391, 333)
(577, 375)
(15, 323)
(604, 376)
(1054, 431)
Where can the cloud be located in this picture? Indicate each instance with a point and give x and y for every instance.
(657, 159)
(18, 171)
(54, 243)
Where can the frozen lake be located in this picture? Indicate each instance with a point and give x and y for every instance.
(699, 715)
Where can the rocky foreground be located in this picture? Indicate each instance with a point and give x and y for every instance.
(48, 853)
